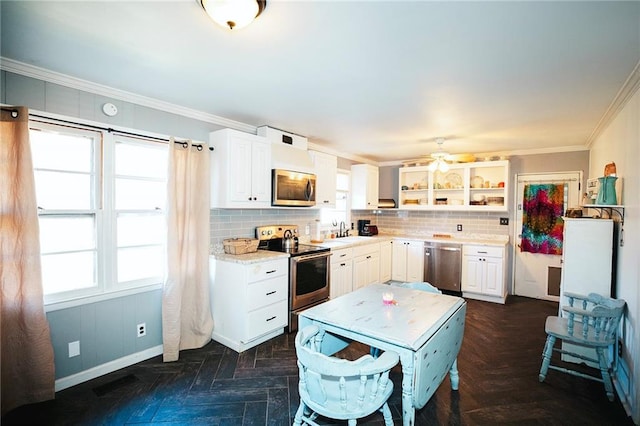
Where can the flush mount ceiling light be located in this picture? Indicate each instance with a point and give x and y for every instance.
(233, 14)
(439, 162)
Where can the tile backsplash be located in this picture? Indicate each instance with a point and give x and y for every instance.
(435, 222)
(241, 223)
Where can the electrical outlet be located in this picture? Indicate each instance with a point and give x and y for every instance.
(142, 329)
(74, 348)
(504, 221)
(459, 227)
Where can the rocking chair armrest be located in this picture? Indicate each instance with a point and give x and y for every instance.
(576, 295)
(593, 298)
(384, 362)
(596, 312)
(577, 311)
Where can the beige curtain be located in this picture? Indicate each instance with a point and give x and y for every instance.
(186, 312)
(27, 354)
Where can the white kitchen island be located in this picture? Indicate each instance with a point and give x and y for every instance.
(425, 329)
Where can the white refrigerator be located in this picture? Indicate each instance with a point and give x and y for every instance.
(588, 265)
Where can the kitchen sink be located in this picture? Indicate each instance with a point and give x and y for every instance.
(339, 242)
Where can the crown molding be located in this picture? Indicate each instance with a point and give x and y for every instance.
(32, 71)
(512, 153)
(330, 151)
(626, 92)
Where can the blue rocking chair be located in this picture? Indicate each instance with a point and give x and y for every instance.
(337, 388)
(592, 323)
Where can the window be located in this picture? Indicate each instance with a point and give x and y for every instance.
(101, 200)
(342, 211)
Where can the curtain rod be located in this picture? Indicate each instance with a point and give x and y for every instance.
(185, 144)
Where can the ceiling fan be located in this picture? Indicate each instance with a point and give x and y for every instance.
(439, 157)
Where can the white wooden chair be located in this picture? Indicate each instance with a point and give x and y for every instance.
(592, 322)
(337, 388)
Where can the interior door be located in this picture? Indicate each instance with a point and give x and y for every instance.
(538, 275)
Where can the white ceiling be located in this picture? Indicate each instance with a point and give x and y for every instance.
(377, 79)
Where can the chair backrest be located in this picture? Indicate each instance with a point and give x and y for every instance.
(340, 388)
(598, 316)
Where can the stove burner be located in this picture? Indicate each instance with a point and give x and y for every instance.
(271, 238)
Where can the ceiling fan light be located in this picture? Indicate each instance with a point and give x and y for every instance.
(443, 166)
(233, 14)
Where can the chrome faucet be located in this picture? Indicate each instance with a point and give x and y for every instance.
(343, 232)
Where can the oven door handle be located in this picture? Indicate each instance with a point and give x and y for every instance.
(305, 257)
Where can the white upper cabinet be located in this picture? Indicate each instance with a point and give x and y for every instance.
(240, 170)
(480, 186)
(364, 186)
(326, 170)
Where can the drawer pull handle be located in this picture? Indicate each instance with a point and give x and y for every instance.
(271, 292)
(343, 264)
(342, 255)
(482, 252)
(272, 318)
(271, 272)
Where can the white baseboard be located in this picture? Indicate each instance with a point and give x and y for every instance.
(106, 368)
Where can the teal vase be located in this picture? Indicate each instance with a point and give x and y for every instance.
(607, 191)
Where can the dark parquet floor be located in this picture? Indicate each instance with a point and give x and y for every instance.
(498, 364)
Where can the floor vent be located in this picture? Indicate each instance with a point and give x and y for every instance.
(115, 384)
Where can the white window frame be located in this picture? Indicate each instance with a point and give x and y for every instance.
(328, 215)
(105, 214)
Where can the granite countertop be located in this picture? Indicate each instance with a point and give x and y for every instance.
(248, 258)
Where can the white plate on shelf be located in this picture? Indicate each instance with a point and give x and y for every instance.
(477, 182)
(453, 181)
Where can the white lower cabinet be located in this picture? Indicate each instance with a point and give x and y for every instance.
(408, 260)
(366, 265)
(341, 278)
(386, 259)
(483, 272)
(249, 301)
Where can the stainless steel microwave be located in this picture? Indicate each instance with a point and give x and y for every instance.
(291, 189)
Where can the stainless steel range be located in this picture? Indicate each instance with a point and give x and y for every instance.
(308, 268)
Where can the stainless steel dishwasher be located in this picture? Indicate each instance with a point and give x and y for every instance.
(443, 265)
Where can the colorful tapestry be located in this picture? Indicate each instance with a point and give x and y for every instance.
(542, 222)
